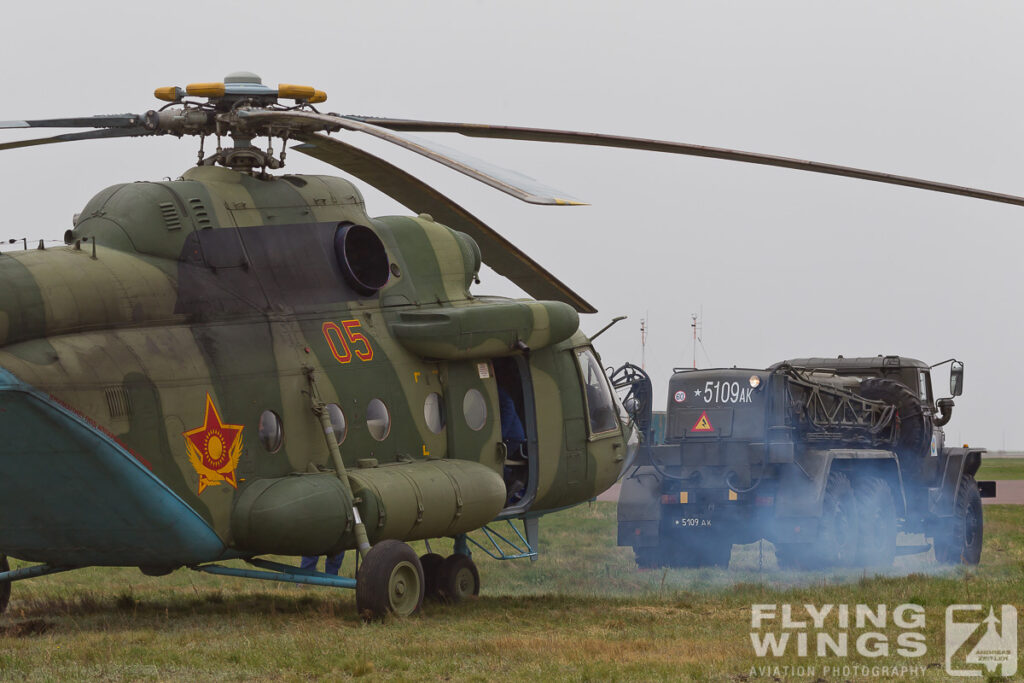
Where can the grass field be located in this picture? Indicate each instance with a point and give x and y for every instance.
(582, 612)
(1001, 468)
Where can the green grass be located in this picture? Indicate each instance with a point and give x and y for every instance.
(582, 612)
(1001, 468)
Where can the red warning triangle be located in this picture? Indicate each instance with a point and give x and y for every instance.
(703, 424)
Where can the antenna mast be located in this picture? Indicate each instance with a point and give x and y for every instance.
(696, 322)
(643, 342)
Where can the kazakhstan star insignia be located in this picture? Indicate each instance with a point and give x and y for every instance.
(214, 449)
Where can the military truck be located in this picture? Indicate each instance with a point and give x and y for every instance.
(828, 458)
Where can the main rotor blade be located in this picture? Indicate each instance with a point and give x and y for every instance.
(498, 253)
(602, 140)
(108, 121)
(511, 182)
(71, 137)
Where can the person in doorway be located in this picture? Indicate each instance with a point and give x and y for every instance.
(332, 565)
(512, 432)
(514, 437)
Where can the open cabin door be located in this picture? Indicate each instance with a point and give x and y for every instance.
(518, 419)
(483, 400)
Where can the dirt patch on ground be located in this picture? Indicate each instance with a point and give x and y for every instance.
(29, 627)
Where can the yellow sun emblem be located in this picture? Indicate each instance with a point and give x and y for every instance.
(214, 449)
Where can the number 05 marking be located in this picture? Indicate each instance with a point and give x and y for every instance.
(344, 340)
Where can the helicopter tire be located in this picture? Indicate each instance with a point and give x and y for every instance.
(431, 563)
(960, 541)
(458, 578)
(5, 587)
(390, 581)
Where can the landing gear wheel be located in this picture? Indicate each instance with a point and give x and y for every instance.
(838, 535)
(5, 587)
(431, 563)
(389, 581)
(876, 512)
(961, 541)
(458, 578)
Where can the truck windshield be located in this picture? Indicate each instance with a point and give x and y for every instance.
(600, 405)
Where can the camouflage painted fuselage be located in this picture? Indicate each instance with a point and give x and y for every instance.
(137, 363)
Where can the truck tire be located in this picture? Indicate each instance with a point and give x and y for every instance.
(648, 557)
(838, 534)
(676, 552)
(961, 540)
(681, 555)
(915, 435)
(791, 555)
(876, 513)
(701, 550)
(716, 553)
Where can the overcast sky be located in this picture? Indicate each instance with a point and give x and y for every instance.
(782, 263)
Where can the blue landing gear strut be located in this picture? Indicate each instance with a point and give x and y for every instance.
(7, 576)
(508, 546)
(275, 571)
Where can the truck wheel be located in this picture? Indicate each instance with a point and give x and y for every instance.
(697, 550)
(876, 513)
(648, 557)
(389, 581)
(961, 541)
(717, 553)
(838, 535)
(681, 554)
(791, 555)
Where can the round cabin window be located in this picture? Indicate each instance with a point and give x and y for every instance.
(378, 420)
(337, 422)
(474, 407)
(271, 433)
(433, 413)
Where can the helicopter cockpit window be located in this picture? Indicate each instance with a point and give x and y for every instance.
(433, 413)
(378, 420)
(337, 422)
(474, 407)
(271, 433)
(600, 404)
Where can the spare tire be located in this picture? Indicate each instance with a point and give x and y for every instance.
(915, 433)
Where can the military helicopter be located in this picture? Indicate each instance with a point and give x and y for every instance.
(237, 364)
